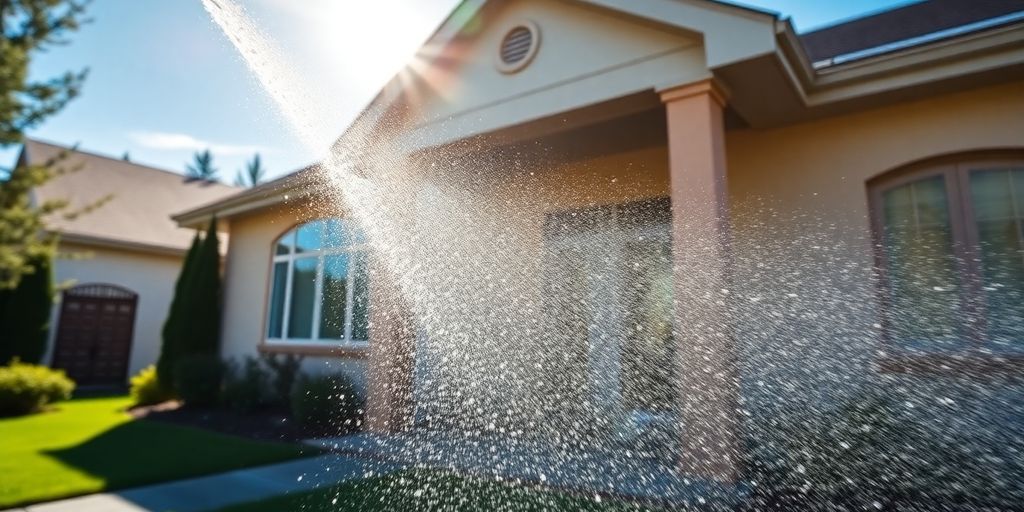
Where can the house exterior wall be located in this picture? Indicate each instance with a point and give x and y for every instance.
(247, 287)
(804, 303)
(151, 276)
(586, 55)
(804, 308)
(806, 311)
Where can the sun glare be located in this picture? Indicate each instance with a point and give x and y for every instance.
(363, 43)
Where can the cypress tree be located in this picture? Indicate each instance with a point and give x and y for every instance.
(25, 314)
(203, 327)
(174, 326)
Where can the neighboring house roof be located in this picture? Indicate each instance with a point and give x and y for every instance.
(901, 24)
(923, 48)
(142, 199)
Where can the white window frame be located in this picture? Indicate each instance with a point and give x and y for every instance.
(355, 251)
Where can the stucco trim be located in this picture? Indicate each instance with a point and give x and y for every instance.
(314, 350)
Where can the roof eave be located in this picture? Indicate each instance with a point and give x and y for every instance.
(127, 245)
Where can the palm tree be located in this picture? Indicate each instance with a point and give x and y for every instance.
(202, 168)
(253, 173)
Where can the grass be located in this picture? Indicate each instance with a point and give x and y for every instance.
(430, 491)
(91, 444)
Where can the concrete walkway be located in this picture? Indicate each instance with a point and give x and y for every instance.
(220, 490)
(608, 471)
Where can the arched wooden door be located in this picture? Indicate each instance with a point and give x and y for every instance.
(94, 334)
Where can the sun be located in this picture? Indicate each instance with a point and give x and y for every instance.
(365, 41)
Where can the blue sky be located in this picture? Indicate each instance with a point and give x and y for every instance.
(165, 81)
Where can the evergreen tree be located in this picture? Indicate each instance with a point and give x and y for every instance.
(174, 326)
(202, 330)
(253, 174)
(29, 26)
(202, 167)
(25, 314)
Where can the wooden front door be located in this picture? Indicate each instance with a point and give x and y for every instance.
(94, 334)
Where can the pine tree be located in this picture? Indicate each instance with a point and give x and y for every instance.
(25, 314)
(174, 329)
(202, 167)
(29, 26)
(253, 174)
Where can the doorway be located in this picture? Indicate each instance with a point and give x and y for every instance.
(94, 334)
(610, 289)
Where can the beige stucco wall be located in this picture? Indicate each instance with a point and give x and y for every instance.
(586, 55)
(802, 299)
(805, 311)
(822, 166)
(151, 276)
(246, 285)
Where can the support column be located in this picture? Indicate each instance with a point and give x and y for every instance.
(706, 352)
(389, 404)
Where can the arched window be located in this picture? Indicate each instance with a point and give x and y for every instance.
(950, 240)
(319, 286)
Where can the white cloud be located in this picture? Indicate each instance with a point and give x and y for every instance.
(181, 141)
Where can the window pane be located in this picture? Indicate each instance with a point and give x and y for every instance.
(276, 314)
(336, 233)
(310, 236)
(300, 318)
(923, 281)
(361, 300)
(995, 195)
(285, 243)
(332, 309)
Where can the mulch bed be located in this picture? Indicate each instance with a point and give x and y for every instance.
(264, 425)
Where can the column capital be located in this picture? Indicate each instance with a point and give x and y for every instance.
(709, 87)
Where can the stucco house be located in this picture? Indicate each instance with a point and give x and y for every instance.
(614, 215)
(122, 259)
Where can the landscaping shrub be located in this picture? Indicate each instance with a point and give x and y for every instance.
(327, 403)
(285, 369)
(247, 389)
(25, 314)
(146, 388)
(198, 379)
(26, 388)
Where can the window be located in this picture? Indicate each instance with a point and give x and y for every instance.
(950, 241)
(319, 288)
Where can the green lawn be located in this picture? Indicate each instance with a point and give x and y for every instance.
(428, 491)
(91, 445)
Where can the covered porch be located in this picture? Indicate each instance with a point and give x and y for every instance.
(608, 324)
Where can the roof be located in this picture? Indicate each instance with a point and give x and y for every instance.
(901, 24)
(826, 69)
(142, 199)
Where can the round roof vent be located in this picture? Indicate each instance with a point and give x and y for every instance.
(518, 47)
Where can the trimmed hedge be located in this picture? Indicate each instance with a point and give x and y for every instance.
(247, 389)
(27, 388)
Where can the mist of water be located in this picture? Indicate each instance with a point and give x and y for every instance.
(544, 329)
